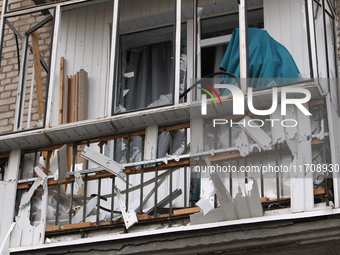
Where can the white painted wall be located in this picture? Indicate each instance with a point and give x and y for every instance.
(84, 42)
(285, 21)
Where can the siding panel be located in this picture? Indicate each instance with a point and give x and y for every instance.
(84, 42)
(285, 21)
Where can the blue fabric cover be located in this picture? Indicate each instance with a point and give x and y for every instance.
(267, 59)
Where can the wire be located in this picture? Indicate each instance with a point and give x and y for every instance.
(208, 76)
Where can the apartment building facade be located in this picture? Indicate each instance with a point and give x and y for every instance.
(116, 115)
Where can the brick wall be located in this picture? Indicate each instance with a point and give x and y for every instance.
(9, 72)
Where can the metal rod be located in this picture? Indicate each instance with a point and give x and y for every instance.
(35, 161)
(57, 207)
(262, 181)
(30, 104)
(141, 189)
(246, 174)
(230, 179)
(86, 161)
(244, 50)
(309, 41)
(127, 198)
(98, 200)
(127, 179)
(170, 202)
(113, 184)
(230, 161)
(70, 215)
(41, 7)
(156, 191)
(127, 192)
(114, 55)
(280, 173)
(18, 53)
(23, 91)
(2, 26)
(324, 161)
(85, 193)
(185, 186)
(74, 152)
(101, 147)
(21, 84)
(277, 174)
(112, 199)
(142, 177)
(17, 33)
(326, 43)
(128, 150)
(177, 50)
(53, 63)
(200, 177)
(185, 169)
(170, 178)
(39, 25)
(194, 48)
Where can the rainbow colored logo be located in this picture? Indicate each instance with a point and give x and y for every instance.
(211, 95)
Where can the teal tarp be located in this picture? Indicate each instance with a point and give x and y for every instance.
(267, 59)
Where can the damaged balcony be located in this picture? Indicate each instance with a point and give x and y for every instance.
(123, 145)
(78, 66)
(146, 178)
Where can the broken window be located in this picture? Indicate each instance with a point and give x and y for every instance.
(215, 36)
(3, 164)
(146, 57)
(25, 67)
(324, 18)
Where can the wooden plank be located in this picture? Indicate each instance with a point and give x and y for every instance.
(52, 228)
(315, 102)
(82, 95)
(225, 156)
(76, 96)
(264, 199)
(22, 186)
(187, 211)
(71, 92)
(81, 111)
(61, 90)
(77, 225)
(4, 155)
(319, 191)
(143, 217)
(65, 101)
(276, 200)
(104, 223)
(160, 216)
(37, 75)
